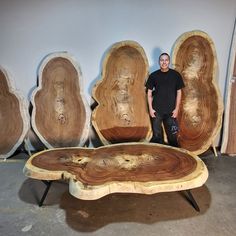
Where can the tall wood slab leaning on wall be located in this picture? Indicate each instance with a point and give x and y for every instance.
(229, 131)
(121, 114)
(200, 117)
(128, 167)
(14, 118)
(60, 114)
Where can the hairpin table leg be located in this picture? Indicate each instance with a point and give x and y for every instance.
(192, 200)
(48, 185)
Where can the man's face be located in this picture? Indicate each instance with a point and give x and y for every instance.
(164, 62)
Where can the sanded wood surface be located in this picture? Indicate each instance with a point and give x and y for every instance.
(121, 114)
(14, 118)
(130, 167)
(60, 115)
(201, 109)
(229, 129)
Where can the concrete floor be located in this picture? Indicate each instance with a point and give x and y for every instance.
(117, 214)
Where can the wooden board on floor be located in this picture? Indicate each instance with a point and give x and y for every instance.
(61, 115)
(200, 116)
(122, 114)
(14, 117)
(229, 129)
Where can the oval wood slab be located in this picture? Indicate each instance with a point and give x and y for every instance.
(200, 116)
(60, 116)
(131, 167)
(14, 117)
(121, 114)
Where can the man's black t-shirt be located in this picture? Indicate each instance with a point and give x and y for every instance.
(165, 86)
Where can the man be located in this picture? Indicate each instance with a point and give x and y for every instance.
(164, 96)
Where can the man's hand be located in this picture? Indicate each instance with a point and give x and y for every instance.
(152, 113)
(178, 99)
(175, 113)
(151, 110)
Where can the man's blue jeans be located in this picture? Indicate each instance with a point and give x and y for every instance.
(171, 129)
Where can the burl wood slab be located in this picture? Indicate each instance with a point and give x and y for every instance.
(14, 117)
(229, 132)
(131, 167)
(121, 114)
(200, 116)
(60, 114)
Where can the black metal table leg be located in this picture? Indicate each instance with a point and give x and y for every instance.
(48, 185)
(192, 200)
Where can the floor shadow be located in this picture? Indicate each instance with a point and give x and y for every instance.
(88, 216)
(32, 191)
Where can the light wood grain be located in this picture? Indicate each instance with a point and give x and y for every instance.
(61, 115)
(121, 114)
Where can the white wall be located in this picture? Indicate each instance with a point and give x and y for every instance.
(31, 29)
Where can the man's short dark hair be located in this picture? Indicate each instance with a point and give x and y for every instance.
(164, 54)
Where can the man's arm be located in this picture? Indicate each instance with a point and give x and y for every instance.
(177, 103)
(150, 98)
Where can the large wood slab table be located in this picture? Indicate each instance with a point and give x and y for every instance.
(143, 168)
